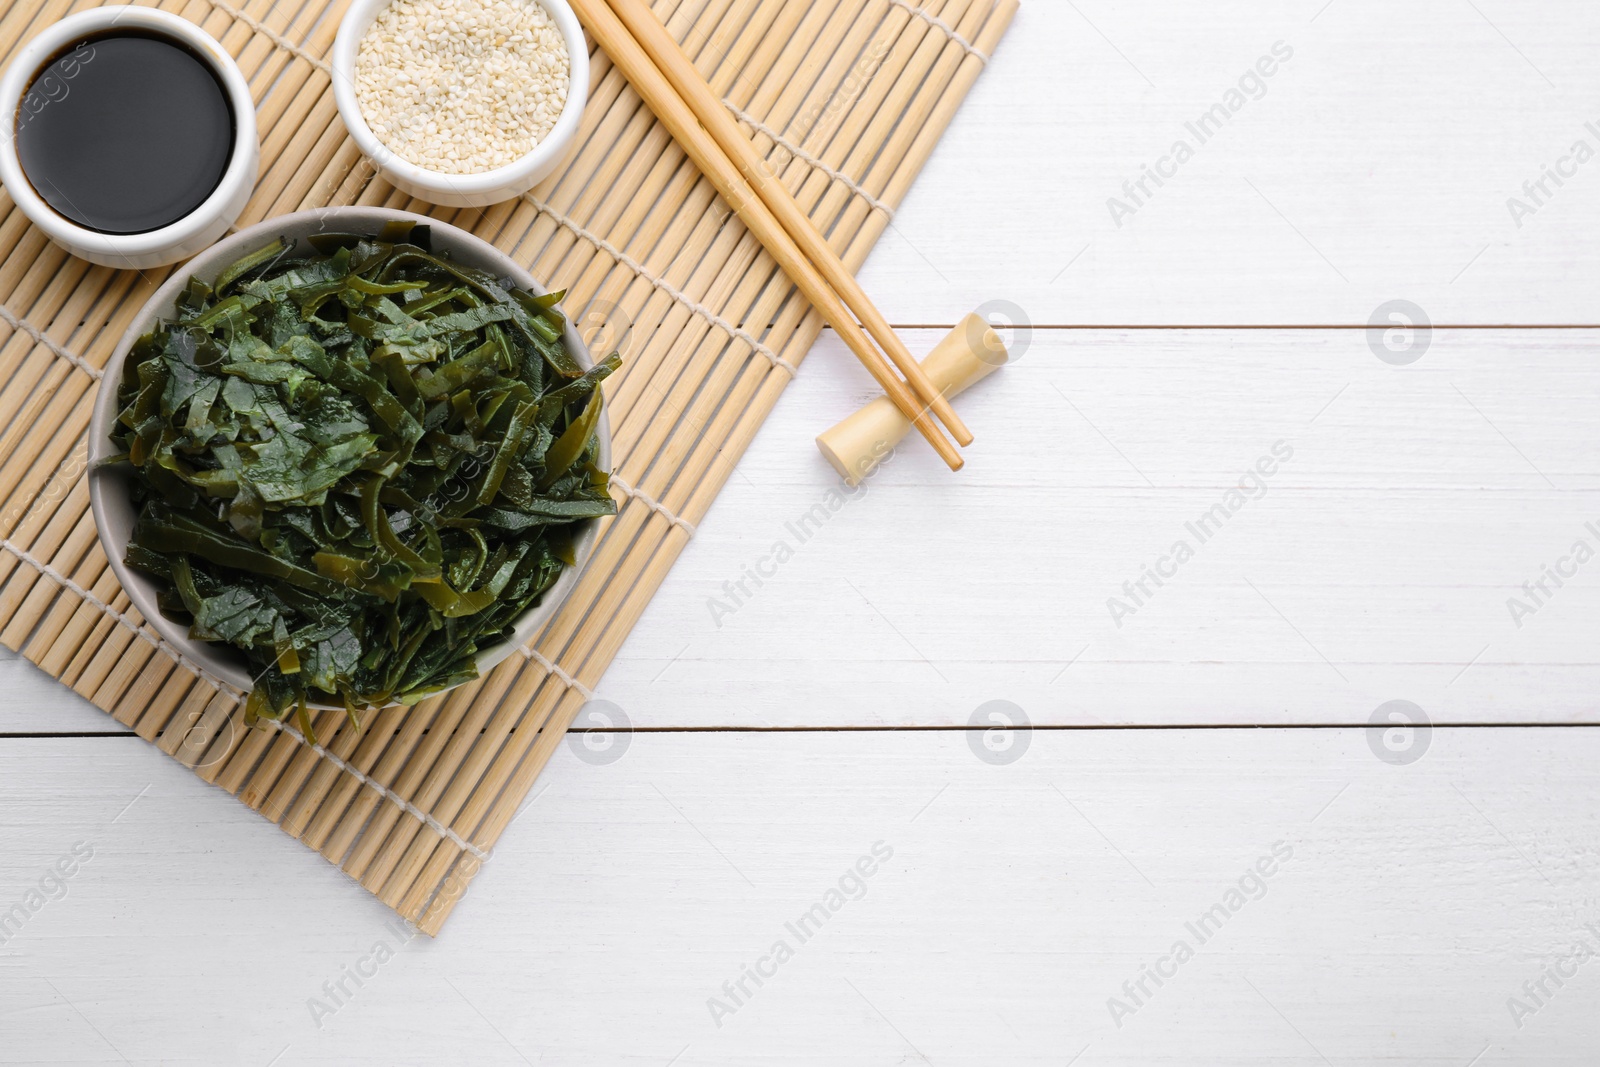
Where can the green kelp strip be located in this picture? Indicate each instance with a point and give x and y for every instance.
(358, 465)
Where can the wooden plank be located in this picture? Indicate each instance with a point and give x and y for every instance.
(1377, 565)
(33, 702)
(1017, 900)
(1376, 163)
(1413, 509)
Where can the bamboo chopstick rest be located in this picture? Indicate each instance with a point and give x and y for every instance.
(967, 354)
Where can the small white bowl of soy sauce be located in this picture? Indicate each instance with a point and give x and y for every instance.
(133, 136)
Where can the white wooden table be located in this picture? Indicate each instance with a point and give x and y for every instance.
(1202, 853)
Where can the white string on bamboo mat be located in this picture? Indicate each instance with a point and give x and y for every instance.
(237, 694)
(949, 30)
(654, 505)
(272, 35)
(816, 164)
(665, 286)
(17, 322)
(392, 797)
(533, 654)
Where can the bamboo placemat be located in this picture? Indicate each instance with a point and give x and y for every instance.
(845, 97)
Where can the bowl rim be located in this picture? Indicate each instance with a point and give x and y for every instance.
(30, 60)
(353, 27)
(218, 659)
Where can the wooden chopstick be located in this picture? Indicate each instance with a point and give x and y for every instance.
(692, 88)
(707, 155)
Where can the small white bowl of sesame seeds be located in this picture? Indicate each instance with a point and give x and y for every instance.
(462, 103)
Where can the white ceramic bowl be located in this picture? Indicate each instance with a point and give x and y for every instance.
(460, 190)
(109, 484)
(195, 230)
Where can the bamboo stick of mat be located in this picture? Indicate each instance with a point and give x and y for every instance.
(691, 88)
(708, 156)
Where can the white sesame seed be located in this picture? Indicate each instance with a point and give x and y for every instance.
(462, 86)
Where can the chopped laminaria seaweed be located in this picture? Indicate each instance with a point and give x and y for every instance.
(359, 466)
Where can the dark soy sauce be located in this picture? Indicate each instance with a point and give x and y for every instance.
(126, 133)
